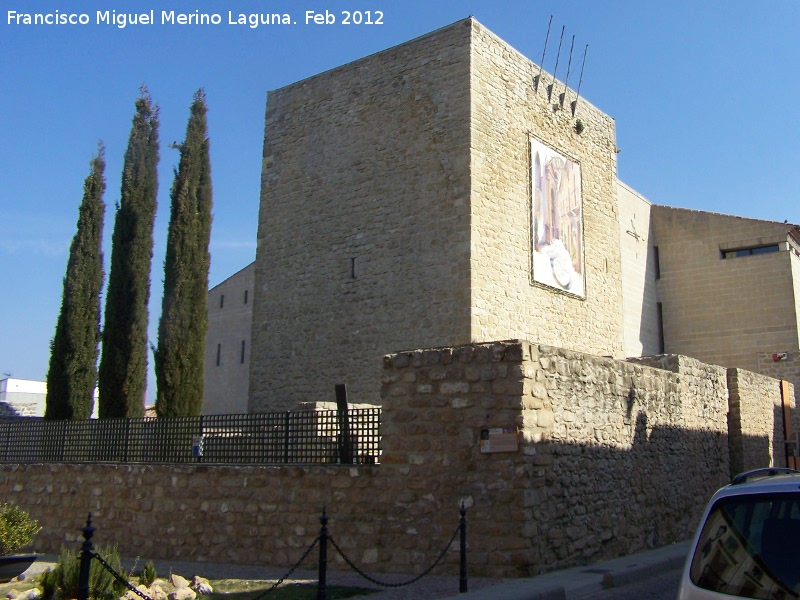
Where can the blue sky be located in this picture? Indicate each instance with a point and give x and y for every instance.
(703, 95)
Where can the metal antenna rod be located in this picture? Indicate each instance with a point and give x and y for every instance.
(544, 51)
(580, 81)
(566, 81)
(558, 56)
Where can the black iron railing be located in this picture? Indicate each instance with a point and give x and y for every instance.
(295, 437)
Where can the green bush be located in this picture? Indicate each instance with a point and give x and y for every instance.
(148, 574)
(66, 573)
(102, 584)
(49, 584)
(17, 529)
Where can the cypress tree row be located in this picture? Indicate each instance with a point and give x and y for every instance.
(72, 374)
(123, 364)
(179, 359)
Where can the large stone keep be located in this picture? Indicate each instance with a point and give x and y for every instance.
(409, 200)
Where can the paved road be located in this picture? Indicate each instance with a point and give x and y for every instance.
(659, 587)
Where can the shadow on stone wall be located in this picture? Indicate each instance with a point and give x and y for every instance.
(592, 502)
(613, 457)
(546, 506)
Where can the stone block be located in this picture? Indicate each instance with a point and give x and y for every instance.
(454, 387)
(472, 372)
(462, 402)
(431, 357)
(401, 360)
(508, 387)
(438, 373)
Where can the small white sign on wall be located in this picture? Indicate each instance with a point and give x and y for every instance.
(499, 439)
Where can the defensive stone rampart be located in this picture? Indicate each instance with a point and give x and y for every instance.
(560, 457)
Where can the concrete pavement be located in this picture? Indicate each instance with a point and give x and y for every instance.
(566, 584)
(578, 582)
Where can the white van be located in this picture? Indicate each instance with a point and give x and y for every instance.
(748, 542)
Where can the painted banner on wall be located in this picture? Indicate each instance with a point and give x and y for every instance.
(556, 220)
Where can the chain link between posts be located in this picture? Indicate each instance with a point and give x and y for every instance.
(290, 571)
(427, 571)
(121, 578)
(90, 553)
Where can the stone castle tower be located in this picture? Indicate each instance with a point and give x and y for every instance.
(431, 194)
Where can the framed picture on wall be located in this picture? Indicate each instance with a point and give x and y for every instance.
(556, 220)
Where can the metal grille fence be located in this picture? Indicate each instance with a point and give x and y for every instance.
(296, 437)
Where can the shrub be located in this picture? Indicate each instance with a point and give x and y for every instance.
(66, 573)
(17, 529)
(49, 584)
(148, 574)
(102, 584)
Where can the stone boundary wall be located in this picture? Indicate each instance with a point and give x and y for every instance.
(435, 404)
(755, 421)
(613, 457)
(240, 515)
(635, 452)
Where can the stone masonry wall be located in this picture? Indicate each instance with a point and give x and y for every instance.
(363, 242)
(636, 452)
(396, 213)
(240, 515)
(507, 111)
(737, 311)
(755, 408)
(613, 457)
(435, 405)
(784, 368)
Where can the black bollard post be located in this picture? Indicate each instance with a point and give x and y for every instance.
(87, 553)
(322, 586)
(462, 581)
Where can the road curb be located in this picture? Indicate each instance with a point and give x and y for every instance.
(636, 573)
